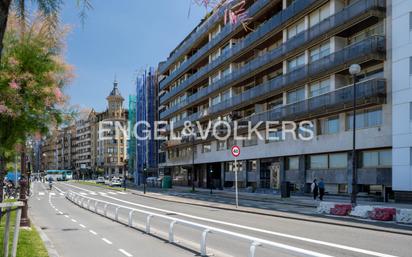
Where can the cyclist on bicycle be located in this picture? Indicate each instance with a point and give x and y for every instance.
(50, 183)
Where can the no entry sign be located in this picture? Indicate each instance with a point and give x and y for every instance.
(235, 151)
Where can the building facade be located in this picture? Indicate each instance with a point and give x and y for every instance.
(111, 143)
(85, 164)
(146, 111)
(292, 64)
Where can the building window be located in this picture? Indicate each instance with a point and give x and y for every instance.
(319, 88)
(216, 100)
(296, 62)
(292, 163)
(226, 95)
(251, 165)
(221, 145)
(319, 52)
(226, 72)
(379, 158)
(338, 161)
(214, 55)
(319, 15)
(365, 118)
(275, 103)
(215, 77)
(296, 95)
(296, 29)
(318, 161)
(206, 148)
(330, 125)
(274, 136)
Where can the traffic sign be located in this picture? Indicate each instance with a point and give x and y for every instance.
(235, 151)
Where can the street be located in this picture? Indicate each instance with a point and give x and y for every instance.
(66, 224)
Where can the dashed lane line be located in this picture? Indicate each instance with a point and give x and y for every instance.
(107, 241)
(74, 220)
(81, 225)
(125, 253)
(93, 232)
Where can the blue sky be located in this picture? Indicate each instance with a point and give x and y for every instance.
(121, 37)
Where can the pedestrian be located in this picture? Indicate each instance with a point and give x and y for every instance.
(315, 189)
(321, 189)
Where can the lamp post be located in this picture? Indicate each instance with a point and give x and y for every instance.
(354, 70)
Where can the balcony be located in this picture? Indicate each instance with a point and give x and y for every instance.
(370, 48)
(370, 92)
(226, 31)
(203, 29)
(348, 15)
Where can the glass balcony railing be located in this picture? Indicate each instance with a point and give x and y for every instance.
(227, 30)
(367, 91)
(370, 48)
(349, 13)
(275, 22)
(206, 27)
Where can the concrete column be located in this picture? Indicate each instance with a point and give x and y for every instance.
(349, 174)
(258, 173)
(284, 4)
(222, 174)
(302, 173)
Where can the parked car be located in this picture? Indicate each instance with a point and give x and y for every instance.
(115, 182)
(100, 180)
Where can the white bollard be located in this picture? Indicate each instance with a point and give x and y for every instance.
(131, 218)
(252, 249)
(203, 250)
(171, 235)
(149, 217)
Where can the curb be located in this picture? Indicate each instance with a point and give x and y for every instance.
(389, 228)
(51, 250)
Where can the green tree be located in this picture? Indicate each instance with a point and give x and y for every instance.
(32, 76)
(45, 8)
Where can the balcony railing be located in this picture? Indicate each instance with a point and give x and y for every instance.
(273, 23)
(226, 31)
(211, 21)
(348, 14)
(371, 92)
(364, 50)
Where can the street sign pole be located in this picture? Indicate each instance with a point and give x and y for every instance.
(236, 152)
(236, 190)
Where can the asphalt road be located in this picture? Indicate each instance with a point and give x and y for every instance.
(305, 236)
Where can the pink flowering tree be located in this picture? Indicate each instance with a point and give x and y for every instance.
(33, 74)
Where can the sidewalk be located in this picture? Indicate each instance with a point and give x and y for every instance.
(268, 205)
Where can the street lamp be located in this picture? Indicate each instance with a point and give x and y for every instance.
(354, 70)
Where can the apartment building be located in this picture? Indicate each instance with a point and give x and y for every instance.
(85, 163)
(111, 147)
(293, 65)
(66, 147)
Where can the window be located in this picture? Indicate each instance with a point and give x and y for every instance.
(319, 15)
(410, 111)
(296, 29)
(221, 145)
(305, 133)
(374, 30)
(226, 48)
(319, 88)
(296, 62)
(295, 95)
(293, 163)
(216, 100)
(215, 55)
(215, 77)
(226, 72)
(206, 148)
(319, 52)
(251, 166)
(275, 103)
(379, 158)
(318, 161)
(365, 119)
(338, 161)
(330, 125)
(226, 95)
(410, 21)
(275, 136)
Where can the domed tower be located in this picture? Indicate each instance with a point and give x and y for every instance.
(115, 102)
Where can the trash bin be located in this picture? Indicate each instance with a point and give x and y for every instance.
(285, 189)
(167, 182)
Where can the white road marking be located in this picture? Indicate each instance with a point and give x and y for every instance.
(61, 213)
(67, 216)
(112, 193)
(82, 193)
(94, 233)
(107, 241)
(52, 193)
(62, 194)
(81, 225)
(74, 220)
(122, 193)
(41, 193)
(93, 193)
(125, 253)
(313, 241)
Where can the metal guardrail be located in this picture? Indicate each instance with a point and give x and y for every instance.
(93, 204)
(7, 208)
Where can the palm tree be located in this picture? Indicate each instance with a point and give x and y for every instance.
(45, 7)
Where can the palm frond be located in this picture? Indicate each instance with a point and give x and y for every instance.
(84, 6)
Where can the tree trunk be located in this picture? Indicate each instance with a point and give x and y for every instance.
(2, 175)
(4, 13)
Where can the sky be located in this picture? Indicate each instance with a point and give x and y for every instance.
(119, 38)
